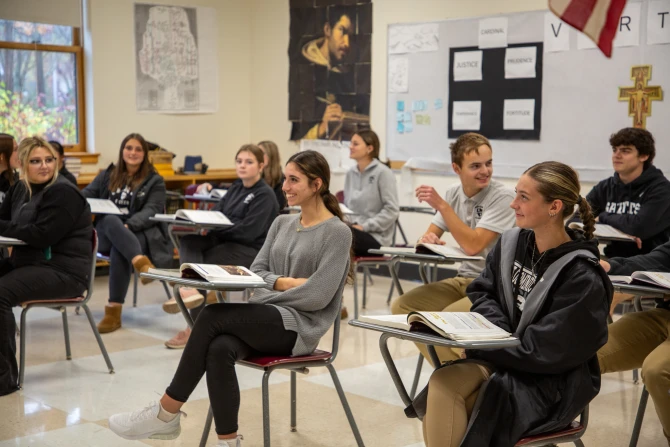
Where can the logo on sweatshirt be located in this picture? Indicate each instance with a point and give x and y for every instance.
(626, 207)
(249, 198)
(371, 179)
(479, 212)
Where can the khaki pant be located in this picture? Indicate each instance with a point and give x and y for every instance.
(640, 339)
(452, 393)
(443, 296)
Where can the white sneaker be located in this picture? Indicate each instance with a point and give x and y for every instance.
(237, 442)
(143, 424)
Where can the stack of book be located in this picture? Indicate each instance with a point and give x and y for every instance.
(73, 164)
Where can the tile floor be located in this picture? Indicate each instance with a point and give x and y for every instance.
(67, 403)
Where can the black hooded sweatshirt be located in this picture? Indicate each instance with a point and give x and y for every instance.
(640, 208)
(542, 384)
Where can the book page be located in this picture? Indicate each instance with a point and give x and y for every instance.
(103, 206)
(460, 324)
(204, 217)
(218, 193)
(657, 278)
(222, 273)
(608, 231)
(166, 216)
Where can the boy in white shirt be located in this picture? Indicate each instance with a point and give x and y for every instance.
(476, 212)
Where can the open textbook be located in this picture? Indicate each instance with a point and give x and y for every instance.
(217, 274)
(657, 279)
(448, 251)
(214, 193)
(453, 325)
(198, 216)
(104, 206)
(605, 231)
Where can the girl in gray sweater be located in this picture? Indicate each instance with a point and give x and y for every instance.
(305, 262)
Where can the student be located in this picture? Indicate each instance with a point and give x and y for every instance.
(252, 207)
(272, 171)
(302, 298)
(9, 162)
(476, 212)
(132, 240)
(370, 191)
(54, 220)
(642, 339)
(635, 199)
(62, 170)
(542, 283)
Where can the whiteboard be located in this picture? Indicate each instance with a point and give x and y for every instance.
(580, 106)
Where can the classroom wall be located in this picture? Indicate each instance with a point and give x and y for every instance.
(111, 86)
(253, 90)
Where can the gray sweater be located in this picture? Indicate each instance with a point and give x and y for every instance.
(373, 196)
(319, 253)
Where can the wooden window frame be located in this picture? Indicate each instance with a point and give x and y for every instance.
(78, 51)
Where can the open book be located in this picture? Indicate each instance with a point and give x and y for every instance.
(198, 216)
(9, 241)
(657, 279)
(214, 193)
(448, 251)
(104, 206)
(605, 231)
(458, 326)
(217, 274)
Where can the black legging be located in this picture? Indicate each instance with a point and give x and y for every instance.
(122, 245)
(363, 242)
(223, 334)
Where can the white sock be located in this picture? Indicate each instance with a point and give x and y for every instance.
(165, 415)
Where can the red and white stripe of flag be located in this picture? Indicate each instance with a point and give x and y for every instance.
(598, 19)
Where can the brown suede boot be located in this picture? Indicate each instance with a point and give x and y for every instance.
(142, 265)
(111, 321)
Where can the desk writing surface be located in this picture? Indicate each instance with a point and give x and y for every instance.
(201, 283)
(186, 223)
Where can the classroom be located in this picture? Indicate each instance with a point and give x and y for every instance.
(195, 194)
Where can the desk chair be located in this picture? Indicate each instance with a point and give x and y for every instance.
(300, 364)
(639, 417)
(571, 433)
(62, 305)
(136, 278)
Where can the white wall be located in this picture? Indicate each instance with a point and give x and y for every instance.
(111, 81)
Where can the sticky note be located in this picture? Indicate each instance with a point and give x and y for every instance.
(401, 127)
(400, 106)
(438, 103)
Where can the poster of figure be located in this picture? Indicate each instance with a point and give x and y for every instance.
(330, 60)
(175, 59)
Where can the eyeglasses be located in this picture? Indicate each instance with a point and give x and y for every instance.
(38, 162)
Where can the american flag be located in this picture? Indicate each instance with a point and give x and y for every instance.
(598, 19)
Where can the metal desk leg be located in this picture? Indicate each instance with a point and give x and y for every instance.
(637, 303)
(433, 355)
(394, 267)
(175, 241)
(417, 375)
(422, 273)
(395, 376)
(182, 306)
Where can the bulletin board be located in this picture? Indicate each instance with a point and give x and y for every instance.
(572, 101)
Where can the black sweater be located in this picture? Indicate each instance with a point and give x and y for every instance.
(67, 175)
(55, 224)
(640, 208)
(252, 210)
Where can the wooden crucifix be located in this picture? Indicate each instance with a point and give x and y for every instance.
(640, 95)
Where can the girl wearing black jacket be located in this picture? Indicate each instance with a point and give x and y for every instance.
(52, 217)
(543, 283)
(252, 207)
(132, 240)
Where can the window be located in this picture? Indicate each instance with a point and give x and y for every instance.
(41, 82)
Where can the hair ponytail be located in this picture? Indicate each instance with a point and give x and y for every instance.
(587, 217)
(315, 166)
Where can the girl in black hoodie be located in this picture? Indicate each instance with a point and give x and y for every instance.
(543, 283)
(51, 216)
